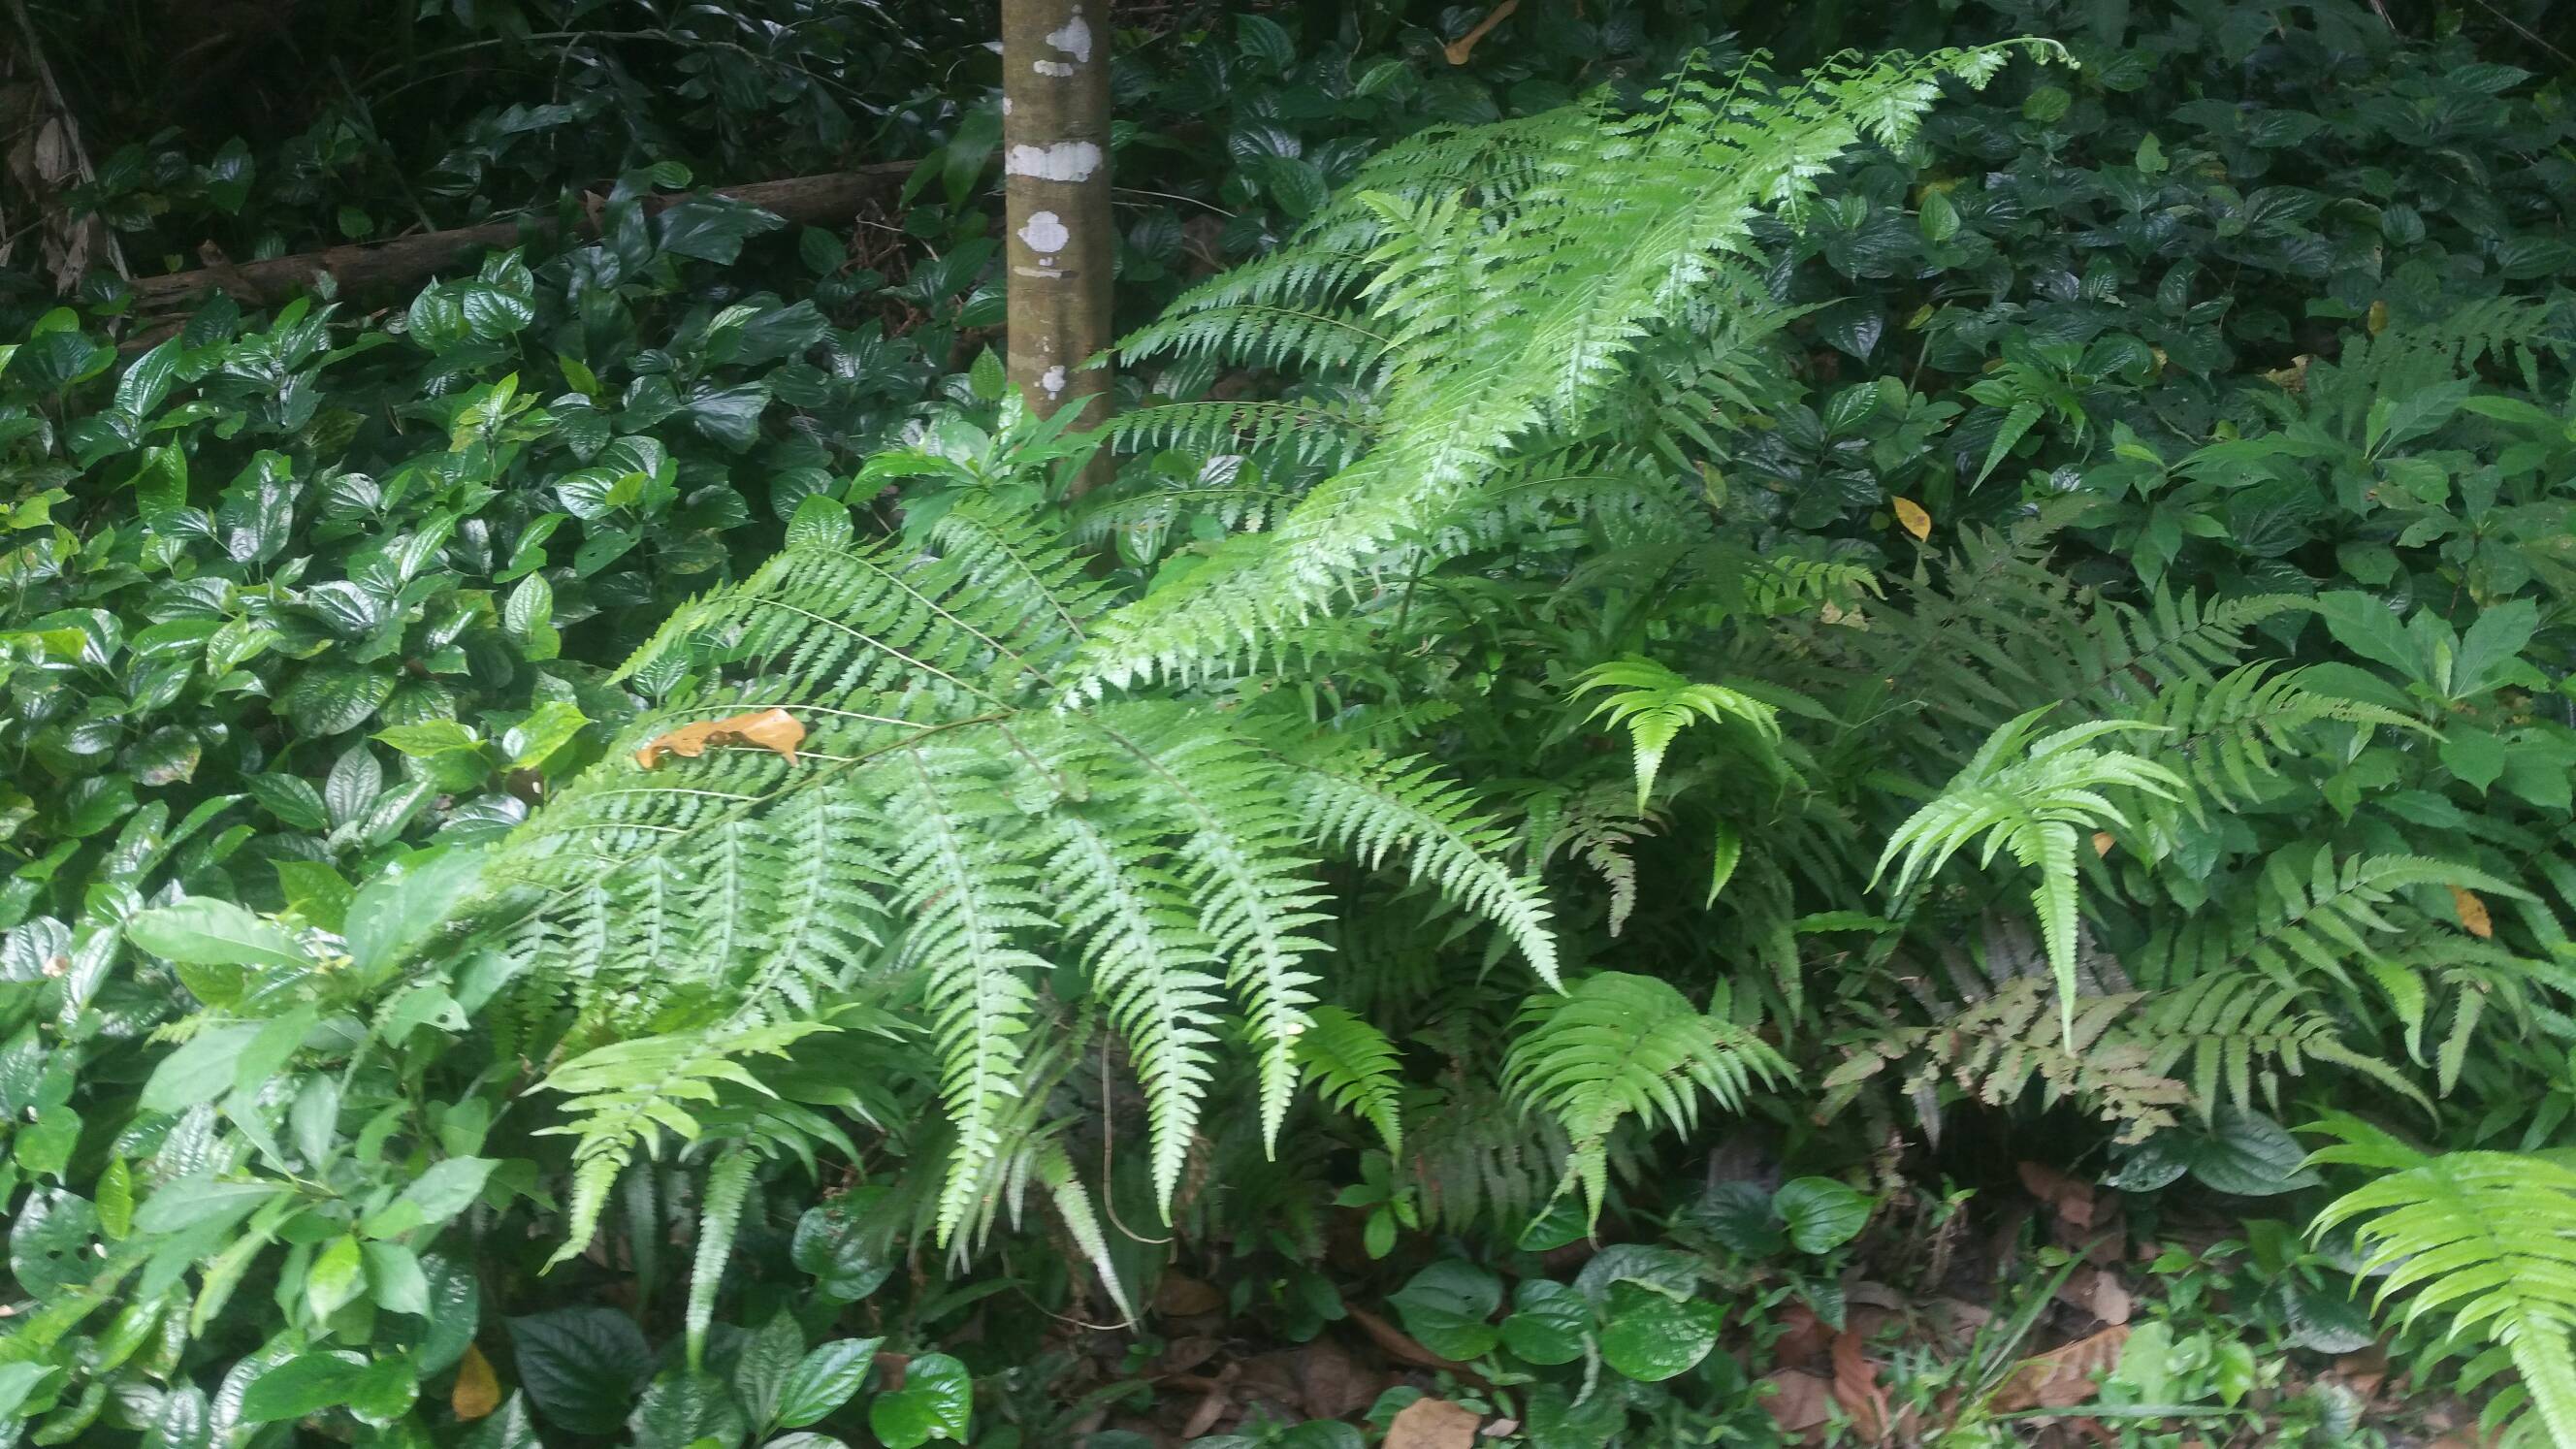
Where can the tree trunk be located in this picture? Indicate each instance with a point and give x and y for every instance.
(1055, 163)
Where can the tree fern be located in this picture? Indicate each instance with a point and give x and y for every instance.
(943, 835)
(1616, 1046)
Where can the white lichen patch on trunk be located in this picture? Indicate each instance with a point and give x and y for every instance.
(1053, 380)
(1045, 234)
(1074, 39)
(1068, 161)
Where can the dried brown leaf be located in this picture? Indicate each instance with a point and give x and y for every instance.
(478, 1390)
(2473, 913)
(1428, 1423)
(1856, 1388)
(767, 729)
(2061, 1377)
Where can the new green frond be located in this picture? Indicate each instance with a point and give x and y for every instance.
(1354, 1066)
(1654, 705)
(1506, 321)
(1616, 1046)
(2487, 1239)
(2037, 799)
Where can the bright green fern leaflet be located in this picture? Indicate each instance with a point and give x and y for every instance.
(2037, 798)
(1654, 705)
(2487, 1237)
(1616, 1046)
(941, 843)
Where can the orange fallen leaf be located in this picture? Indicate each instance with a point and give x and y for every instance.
(1916, 519)
(2103, 840)
(478, 1390)
(768, 729)
(1798, 1399)
(2061, 1377)
(2070, 1198)
(1464, 46)
(1856, 1389)
(1183, 1296)
(2473, 913)
(1429, 1423)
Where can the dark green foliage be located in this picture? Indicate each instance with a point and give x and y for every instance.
(1543, 580)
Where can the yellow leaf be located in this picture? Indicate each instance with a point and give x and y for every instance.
(477, 1392)
(768, 729)
(2473, 913)
(2378, 318)
(1912, 515)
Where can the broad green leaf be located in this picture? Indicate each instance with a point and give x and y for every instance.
(1821, 1214)
(936, 1401)
(826, 1379)
(583, 1367)
(1445, 1307)
(202, 931)
(1651, 1337)
(1550, 1323)
(201, 1070)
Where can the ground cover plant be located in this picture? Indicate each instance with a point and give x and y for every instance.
(1866, 742)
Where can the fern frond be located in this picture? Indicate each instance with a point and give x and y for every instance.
(1153, 970)
(1367, 806)
(2241, 1033)
(2303, 912)
(623, 1096)
(1654, 704)
(728, 1189)
(1993, 1048)
(2036, 798)
(2486, 1238)
(1353, 1065)
(971, 906)
(1616, 1046)
(1488, 346)
(2227, 734)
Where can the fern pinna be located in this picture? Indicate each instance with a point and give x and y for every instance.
(1485, 293)
(943, 841)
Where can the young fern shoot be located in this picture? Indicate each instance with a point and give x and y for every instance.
(2038, 799)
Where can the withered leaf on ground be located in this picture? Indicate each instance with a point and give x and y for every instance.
(1856, 1388)
(1432, 1424)
(1797, 1400)
(2062, 1376)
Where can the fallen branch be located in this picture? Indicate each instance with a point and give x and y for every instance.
(389, 270)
